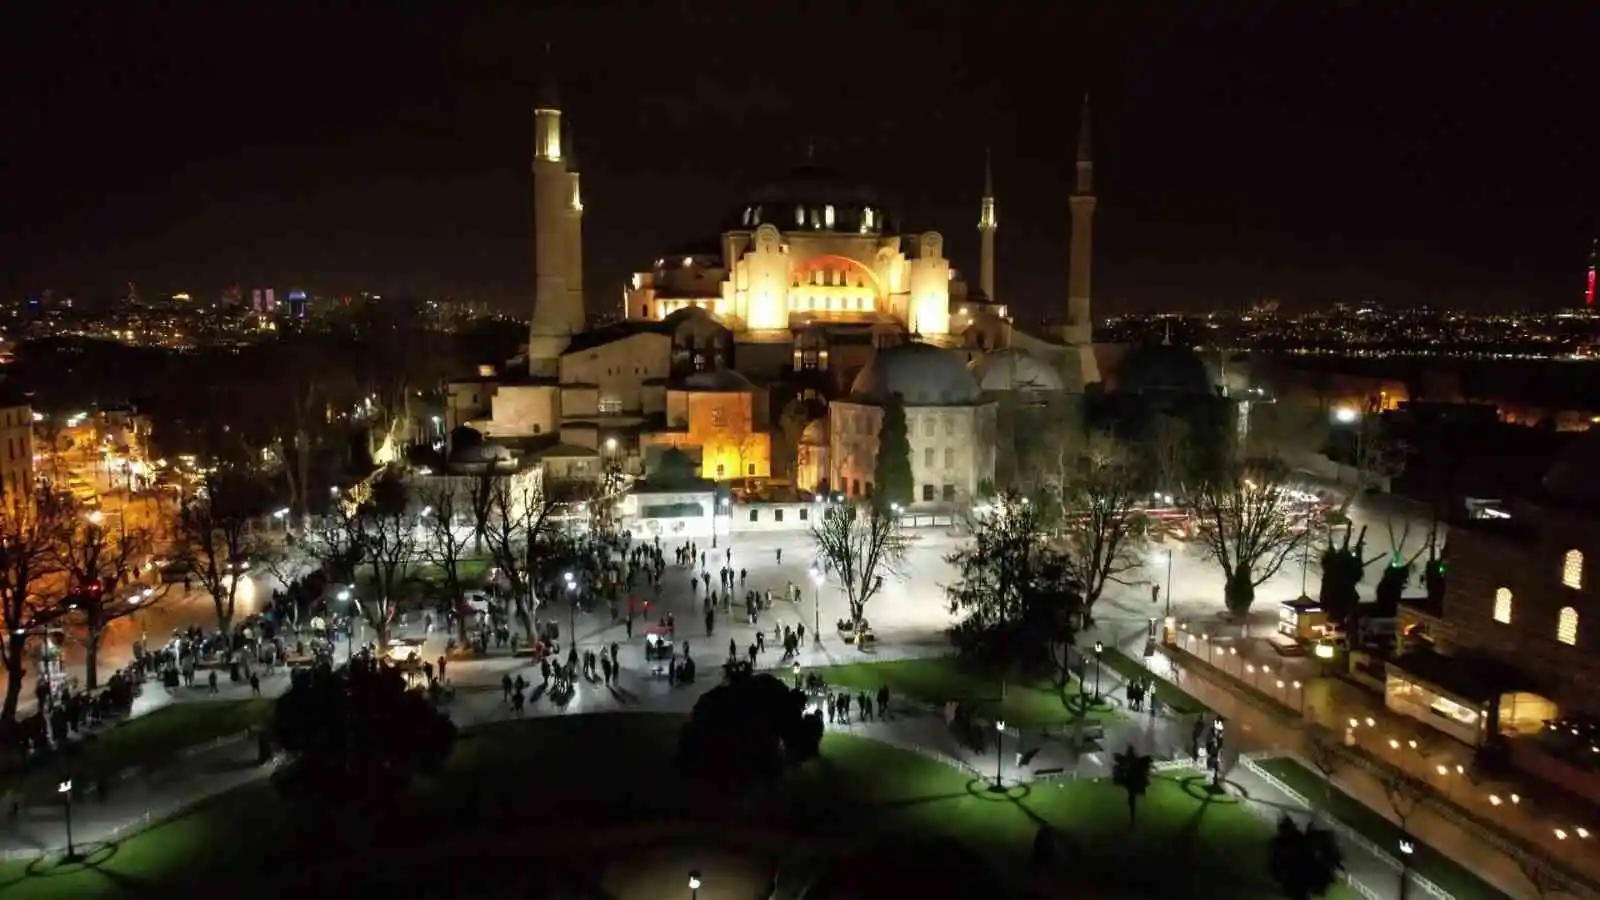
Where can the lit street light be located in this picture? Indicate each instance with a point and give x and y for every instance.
(816, 605)
(1407, 847)
(1099, 648)
(65, 789)
(999, 742)
(694, 884)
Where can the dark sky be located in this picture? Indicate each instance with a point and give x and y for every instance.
(1410, 151)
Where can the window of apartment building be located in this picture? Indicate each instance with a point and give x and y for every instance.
(949, 458)
(927, 427)
(750, 469)
(1572, 569)
(927, 493)
(1502, 606)
(804, 514)
(949, 493)
(753, 515)
(719, 417)
(1567, 626)
(777, 515)
(949, 426)
(927, 457)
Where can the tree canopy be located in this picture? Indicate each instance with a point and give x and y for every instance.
(359, 732)
(749, 729)
(891, 473)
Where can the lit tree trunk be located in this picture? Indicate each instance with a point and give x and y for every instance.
(91, 653)
(1239, 590)
(15, 645)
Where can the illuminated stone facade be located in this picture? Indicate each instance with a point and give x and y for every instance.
(718, 417)
(16, 457)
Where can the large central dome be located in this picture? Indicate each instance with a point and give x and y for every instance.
(815, 198)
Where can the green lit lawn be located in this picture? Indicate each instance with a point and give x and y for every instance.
(523, 779)
(1031, 704)
(1432, 865)
(153, 739)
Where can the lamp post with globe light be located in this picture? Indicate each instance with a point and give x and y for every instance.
(572, 608)
(694, 884)
(64, 788)
(999, 750)
(1099, 648)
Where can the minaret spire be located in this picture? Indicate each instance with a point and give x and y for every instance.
(558, 309)
(1079, 331)
(987, 223)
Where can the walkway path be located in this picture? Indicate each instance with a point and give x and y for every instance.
(1273, 734)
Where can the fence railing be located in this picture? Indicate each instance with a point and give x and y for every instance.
(1346, 832)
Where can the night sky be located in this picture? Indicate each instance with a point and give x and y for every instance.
(1411, 152)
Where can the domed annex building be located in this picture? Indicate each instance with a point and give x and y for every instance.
(766, 351)
(949, 424)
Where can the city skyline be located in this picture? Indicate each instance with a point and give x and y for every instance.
(1230, 165)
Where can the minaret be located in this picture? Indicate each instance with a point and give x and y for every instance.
(987, 223)
(1080, 323)
(555, 316)
(573, 261)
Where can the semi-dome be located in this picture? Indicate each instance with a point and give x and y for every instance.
(726, 380)
(814, 198)
(816, 433)
(1013, 370)
(1572, 478)
(1163, 368)
(923, 375)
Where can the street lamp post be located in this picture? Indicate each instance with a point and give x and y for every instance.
(1099, 647)
(694, 884)
(999, 747)
(1407, 848)
(1168, 613)
(816, 605)
(572, 609)
(65, 789)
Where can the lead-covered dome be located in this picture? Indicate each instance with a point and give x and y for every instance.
(923, 375)
(1163, 368)
(717, 380)
(1013, 370)
(815, 198)
(1571, 478)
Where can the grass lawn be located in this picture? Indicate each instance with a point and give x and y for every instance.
(1431, 864)
(1172, 696)
(526, 781)
(150, 739)
(1028, 703)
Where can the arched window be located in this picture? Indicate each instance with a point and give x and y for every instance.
(1502, 606)
(1572, 569)
(1567, 626)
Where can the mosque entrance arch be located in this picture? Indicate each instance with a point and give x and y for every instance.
(836, 285)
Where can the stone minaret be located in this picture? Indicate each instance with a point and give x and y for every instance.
(557, 311)
(987, 223)
(1080, 323)
(573, 261)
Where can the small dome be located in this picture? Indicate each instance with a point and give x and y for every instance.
(923, 375)
(1163, 368)
(724, 380)
(1013, 370)
(1571, 478)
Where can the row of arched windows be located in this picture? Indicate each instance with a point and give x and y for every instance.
(1566, 620)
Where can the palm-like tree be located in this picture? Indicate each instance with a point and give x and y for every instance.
(1130, 770)
(1305, 862)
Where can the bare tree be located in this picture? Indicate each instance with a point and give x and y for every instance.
(1326, 756)
(861, 544)
(387, 535)
(481, 503)
(216, 538)
(1245, 522)
(102, 566)
(1546, 883)
(445, 542)
(520, 523)
(30, 586)
(1095, 491)
(1169, 454)
(1404, 795)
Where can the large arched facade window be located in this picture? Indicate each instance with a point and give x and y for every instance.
(1502, 606)
(1572, 569)
(1567, 626)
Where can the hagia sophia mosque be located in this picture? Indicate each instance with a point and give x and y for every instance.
(767, 354)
